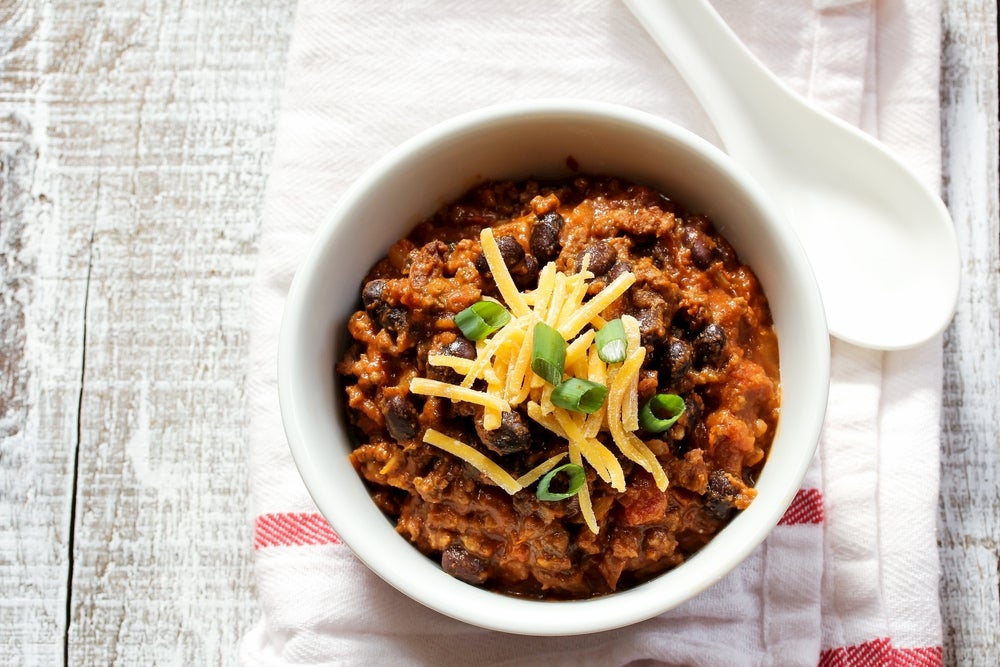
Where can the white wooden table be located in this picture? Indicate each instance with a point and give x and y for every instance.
(134, 146)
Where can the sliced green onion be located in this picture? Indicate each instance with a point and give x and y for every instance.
(611, 342)
(579, 395)
(661, 412)
(548, 353)
(481, 319)
(577, 478)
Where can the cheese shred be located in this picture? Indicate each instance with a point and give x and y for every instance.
(503, 364)
(501, 276)
(580, 317)
(473, 457)
(536, 473)
(427, 387)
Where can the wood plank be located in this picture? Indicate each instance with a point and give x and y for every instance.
(161, 564)
(42, 285)
(969, 517)
(147, 126)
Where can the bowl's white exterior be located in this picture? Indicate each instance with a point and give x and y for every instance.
(534, 139)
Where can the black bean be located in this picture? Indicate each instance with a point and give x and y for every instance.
(510, 437)
(720, 486)
(526, 275)
(720, 509)
(601, 257)
(400, 417)
(677, 360)
(460, 347)
(510, 250)
(371, 295)
(620, 267)
(544, 242)
(726, 255)
(551, 219)
(392, 319)
(651, 310)
(481, 264)
(459, 563)
(700, 246)
(442, 374)
(710, 344)
(652, 328)
(721, 495)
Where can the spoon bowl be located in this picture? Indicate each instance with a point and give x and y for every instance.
(881, 243)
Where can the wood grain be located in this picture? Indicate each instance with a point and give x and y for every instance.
(43, 282)
(135, 138)
(969, 521)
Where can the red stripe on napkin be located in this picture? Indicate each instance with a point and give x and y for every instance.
(297, 529)
(926, 656)
(879, 652)
(806, 507)
(292, 530)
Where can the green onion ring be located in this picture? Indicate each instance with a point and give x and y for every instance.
(611, 342)
(671, 404)
(579, 395)
(577, 478)
(548, 353)
(481, 319)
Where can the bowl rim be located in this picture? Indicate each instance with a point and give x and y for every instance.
(481, 607)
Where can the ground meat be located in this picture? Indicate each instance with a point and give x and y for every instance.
(708, 334)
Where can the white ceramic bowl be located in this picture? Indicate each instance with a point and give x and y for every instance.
(534, 139)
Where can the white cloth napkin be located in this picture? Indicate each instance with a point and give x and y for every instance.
(850, 576)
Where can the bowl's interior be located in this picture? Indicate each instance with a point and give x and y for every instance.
(520, 141)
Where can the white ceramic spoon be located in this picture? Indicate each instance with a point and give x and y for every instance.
(881, 243)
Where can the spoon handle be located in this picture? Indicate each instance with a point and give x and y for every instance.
(734, 88)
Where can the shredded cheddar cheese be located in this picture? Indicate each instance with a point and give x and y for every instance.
(596, 372)
(576, 352)
(600, 457)
(501, 276)
(503, 362)
(455, 393)
(487, 349)
(475, 458)
(581, 316)
(536, 473)
(457, 364)
(633, 363)
(583, 495)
